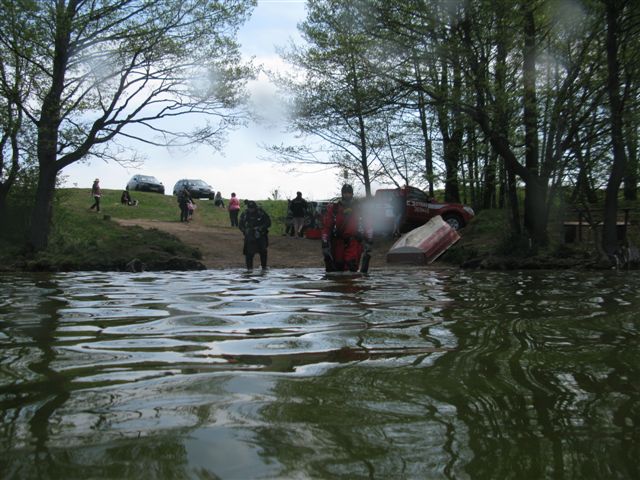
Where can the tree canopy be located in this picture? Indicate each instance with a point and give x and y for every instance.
(481, 97)
(82, 76)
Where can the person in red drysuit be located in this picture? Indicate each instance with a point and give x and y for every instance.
(346, 238)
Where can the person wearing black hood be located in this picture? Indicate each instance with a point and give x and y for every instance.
(254, 224)
(346, 235)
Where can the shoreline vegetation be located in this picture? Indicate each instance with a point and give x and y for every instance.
(150, 237)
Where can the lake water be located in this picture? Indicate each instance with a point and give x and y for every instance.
(288, 374)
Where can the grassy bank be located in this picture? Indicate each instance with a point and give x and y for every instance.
(86, 240)
(152, 206)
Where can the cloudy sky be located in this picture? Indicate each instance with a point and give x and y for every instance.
(239, 167)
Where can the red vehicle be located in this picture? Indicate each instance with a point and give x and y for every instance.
(414, 208)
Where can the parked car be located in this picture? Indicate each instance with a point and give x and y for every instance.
(145, 183)
(416, 209)
(197, 188)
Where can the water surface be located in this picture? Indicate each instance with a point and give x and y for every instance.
(288, 374)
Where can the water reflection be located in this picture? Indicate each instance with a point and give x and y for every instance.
(220, 374)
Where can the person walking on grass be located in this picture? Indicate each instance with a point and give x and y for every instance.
(96, 193)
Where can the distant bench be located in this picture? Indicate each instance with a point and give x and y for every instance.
(573, 228)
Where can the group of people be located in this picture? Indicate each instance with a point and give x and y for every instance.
(96, 193)
(186, 204)
(346, 233)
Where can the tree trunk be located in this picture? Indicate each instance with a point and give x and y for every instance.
(4, 192)
(48, 126)
(43, 209)
(422, 110)
(489, 191)
(428, 160)
(366, 179)
(512, 200)
(5, 188)
(452, 154)
(535, 210)
(502, 190)
(469, 184)
(502, 123)
(451, 159)
(584, 191)
(451, 130)
(631, 175)
(535, 219)
(609, 228)
(9, 142)
(428, 151)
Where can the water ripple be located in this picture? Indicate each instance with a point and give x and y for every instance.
(431, 374)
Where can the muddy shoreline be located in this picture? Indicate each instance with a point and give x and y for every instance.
(221, 247)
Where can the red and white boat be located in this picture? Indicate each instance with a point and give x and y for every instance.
(424, 244)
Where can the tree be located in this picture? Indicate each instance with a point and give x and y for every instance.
(16, 83)
(11, 130)
(123, 69)
(549, 114)
(530, 81)
(336, 96)
(614, 11)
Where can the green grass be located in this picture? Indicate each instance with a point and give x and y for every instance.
(153, 206)
(81, 239)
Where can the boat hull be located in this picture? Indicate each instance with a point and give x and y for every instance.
(423, 245)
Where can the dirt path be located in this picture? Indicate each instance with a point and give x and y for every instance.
(221, 247)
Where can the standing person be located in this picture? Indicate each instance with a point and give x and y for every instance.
(218, 201)
(96, 193)
(191, 206)
(234, 209)
(288, 221)
(298, 211)
(254, 224)
(346, 239)
(184, 199)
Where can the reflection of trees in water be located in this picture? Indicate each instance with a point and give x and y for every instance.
(369, 418)
(533, 378)
(540, 385)
(360, 421)
(37, 400)
(156, 457)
